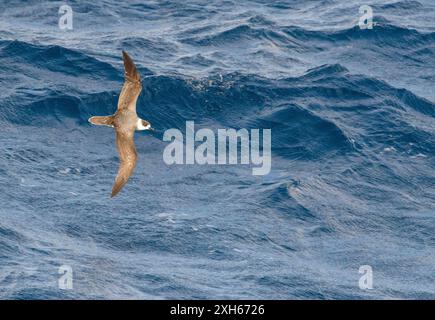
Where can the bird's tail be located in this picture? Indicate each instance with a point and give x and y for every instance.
(102, 120)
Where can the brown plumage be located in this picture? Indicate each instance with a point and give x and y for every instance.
(125, 121)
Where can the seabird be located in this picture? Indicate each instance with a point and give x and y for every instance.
(126, 122)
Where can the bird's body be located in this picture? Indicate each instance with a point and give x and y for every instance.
(125, 122)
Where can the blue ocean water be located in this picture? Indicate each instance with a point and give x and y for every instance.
(353, 146)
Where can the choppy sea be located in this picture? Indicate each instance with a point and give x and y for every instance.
(352, 181)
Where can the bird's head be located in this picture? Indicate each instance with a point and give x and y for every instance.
(143, 125)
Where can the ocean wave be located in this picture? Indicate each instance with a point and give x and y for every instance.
(383, 32)
(351, 113)
(285, 105)
(403, 5)
(56, 58)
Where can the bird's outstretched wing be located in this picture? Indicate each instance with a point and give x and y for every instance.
(102, 120)
(132, 85)
(128, 157)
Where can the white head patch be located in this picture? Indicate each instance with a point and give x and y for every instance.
(140, 126)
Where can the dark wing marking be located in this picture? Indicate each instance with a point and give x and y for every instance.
(127, 156)
(132, 85)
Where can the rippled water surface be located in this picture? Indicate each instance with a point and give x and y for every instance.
(353, 145)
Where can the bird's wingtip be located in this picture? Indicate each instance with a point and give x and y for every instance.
(114, 193)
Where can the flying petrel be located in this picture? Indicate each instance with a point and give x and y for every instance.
(126, 122)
